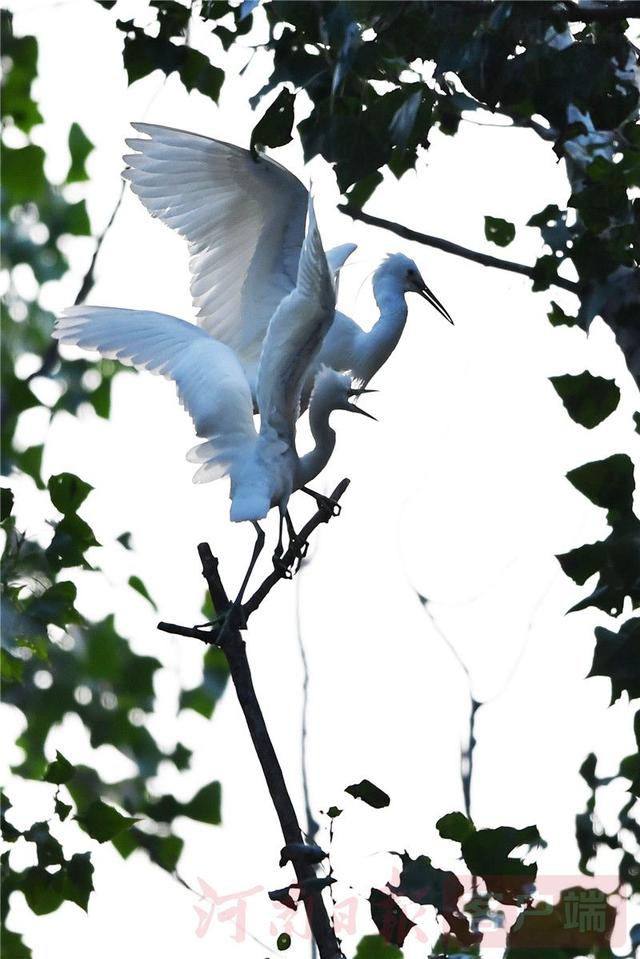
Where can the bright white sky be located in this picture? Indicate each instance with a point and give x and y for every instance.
(458, 491)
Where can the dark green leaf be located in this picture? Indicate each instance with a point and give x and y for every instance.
(557, 316)
(556, 932)
(608, 483)
(203, 698)
(136, 583)
(205, 805)
(588, 771)
(583, 562)
(59, 771)
(68, 492)
(78, 880)
(80, 146)
(55, 605)
(360, 192)
(6, 503)
(19, 71)
(429, 886)
(587, 399)
(273, 129)
(13, 947)
(455, 825)
(165, 851)
(487, 854)
(43, 890)
(617, 657)
(71, 538)
(545, 272)
(103, 822)
(62, 809)
(374, 947)
(181, 757)
(369, 794)
(9, 831)
(389, 919)
(23, 174)
(30, 462)
(49, 849)
(76, 220)
(499, 231)
(11, 668)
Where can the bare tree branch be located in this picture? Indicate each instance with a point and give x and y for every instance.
(448, 247)
(323, 515)
(233, 647)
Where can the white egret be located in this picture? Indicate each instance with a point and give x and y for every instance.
(243, 218)
(263, 465)
(348, 347)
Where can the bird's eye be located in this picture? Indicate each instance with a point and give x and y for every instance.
(411, 273)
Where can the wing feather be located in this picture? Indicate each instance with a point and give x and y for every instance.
(294, 337)
(243, 219)
(210, 381)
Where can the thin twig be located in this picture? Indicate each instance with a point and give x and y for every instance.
(447, 246)
(89, 279)
(50, 355)
(467, 751)
(312, 824)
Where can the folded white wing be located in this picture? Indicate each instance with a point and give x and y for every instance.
(210, 381)
(294, 337)
(243, 218)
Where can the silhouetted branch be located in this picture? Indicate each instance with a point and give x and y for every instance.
(448, 247)
(50, 355)
(466, 752)
(312, 825)
(230, 641)
(323, 515)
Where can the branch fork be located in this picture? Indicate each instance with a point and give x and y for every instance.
(303, 856)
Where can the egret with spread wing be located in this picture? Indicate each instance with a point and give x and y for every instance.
(243, 218)
(263, 465)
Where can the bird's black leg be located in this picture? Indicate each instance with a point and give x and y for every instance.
(277, 553)
(324, 502)
(257, 549)
(233, 616)
(301, 547)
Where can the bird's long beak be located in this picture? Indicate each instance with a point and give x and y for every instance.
(357, 409)
(430, 297)
(360, 391)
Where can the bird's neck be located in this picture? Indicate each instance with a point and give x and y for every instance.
(316, 459)
(383, 337)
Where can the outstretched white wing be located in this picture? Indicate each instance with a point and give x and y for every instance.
(243, 218)
(294, 337)
(210, 381)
